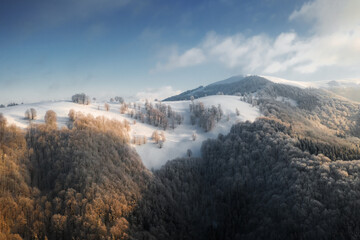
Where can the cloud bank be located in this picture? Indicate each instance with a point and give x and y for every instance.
(334, 40)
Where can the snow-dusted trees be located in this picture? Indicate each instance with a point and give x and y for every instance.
(119, 99)
(3, 121)
(27, 114)
(12, 104)
(159, 115)
(51, 119)
(52, 181)
(33, 113)
(72, 115)
(123, 108)
(155, 137)
(30, 114)
(139, 140)
(237, 112)
(81, 98)
(189, 153)
(2, 106)
(107, 106)
(158, 138)
(205, 117)
(193, 136)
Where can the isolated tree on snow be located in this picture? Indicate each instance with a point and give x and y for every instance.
(194, 136)
(155, 136)
(107, 106)
(33, 113)
(30, 114)
(27, 114)
(189, 153)
(51, 118)
(237, 112)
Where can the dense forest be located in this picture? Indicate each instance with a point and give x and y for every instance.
(292, 174)
(79, 183)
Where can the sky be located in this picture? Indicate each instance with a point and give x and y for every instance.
(52, 49)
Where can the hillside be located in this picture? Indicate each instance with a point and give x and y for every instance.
(232, 86)
(178, 140)
(240, 85)
(290, 172)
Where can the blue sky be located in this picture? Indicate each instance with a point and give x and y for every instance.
(52, 49)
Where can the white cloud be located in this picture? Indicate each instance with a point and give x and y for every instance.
(329, 16)
(334, 41)
(157, 93)
(191, 57)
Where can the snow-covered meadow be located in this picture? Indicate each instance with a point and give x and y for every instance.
(178, 140)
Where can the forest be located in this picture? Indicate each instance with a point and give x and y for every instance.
(291, 174)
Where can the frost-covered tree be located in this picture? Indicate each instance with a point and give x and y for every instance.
(33, 113)
(27, 114)
(51, 118)
(155, 137)
(72, 115)
(107, 107)
(189, 153)
(119, 99)
(81, 98)
(30, 114)
(194, 136)
(123, 108)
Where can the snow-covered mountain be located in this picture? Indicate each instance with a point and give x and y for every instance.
(178, 140)
(238, 85)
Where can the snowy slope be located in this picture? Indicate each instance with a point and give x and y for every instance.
(177, 140)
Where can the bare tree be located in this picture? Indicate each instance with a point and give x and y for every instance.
(189, 153)
(119, 99)
(30, 114)
(194, 136)
(107, 107)
(33, 113)
(237, 112)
